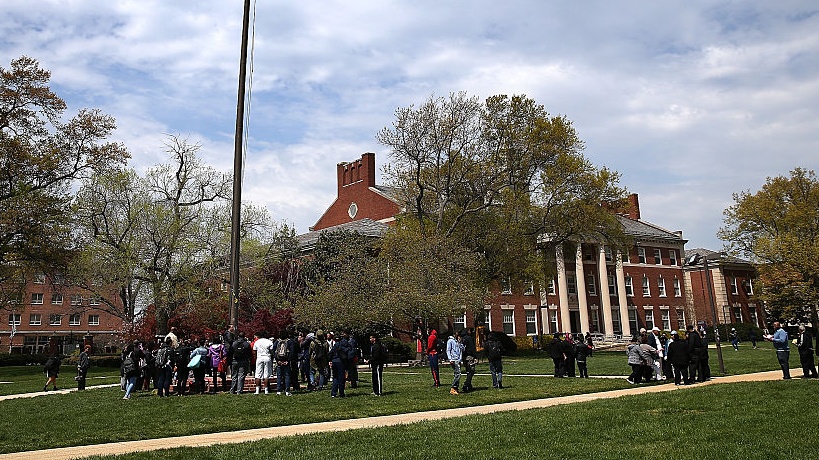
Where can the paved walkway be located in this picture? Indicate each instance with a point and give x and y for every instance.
(369, 422)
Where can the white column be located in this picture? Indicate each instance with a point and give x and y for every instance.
(604, 291)
(582, 301)
(622, 299)
(562, 290)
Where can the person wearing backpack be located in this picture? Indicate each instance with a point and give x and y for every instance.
(241, 361)
(494, 353)
(83, 363)
(164, 368)
(130, 367)
(283, 356)
(183, 353)
(319, 361)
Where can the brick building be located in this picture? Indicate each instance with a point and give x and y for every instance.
(731, 282)
(49, 315)
(595, 290)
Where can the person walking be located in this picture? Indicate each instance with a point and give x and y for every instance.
(783, 351)
(378, 357)
(432, 355)
(52, 371)
(804, 344)
(734, 337)
(470, 358)
(83, 363)
(454, 352)
(494, 353)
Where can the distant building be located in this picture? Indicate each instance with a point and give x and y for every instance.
(49, 316)
(732, 284)
(595, 290)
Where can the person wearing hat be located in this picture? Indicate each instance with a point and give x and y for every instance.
(654, 342)
(734, 338)
(679, 359)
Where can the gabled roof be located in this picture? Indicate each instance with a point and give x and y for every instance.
(646, 230)
(391, 193)
(366, 227)
(716, 257)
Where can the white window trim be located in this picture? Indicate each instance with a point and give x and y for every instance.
(503, 321)
(658, 257)
(35, 322)
(56, 299)
(641, 255)
(40, 300)
(629, 281)
(71, 321)
(55, 320)
(646, 285)
(661, 286)
(677, 288)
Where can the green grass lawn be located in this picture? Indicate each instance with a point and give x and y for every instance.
(744, 420)
(101, 415)
(28, 379)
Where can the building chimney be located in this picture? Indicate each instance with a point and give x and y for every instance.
(633, 207)
(362, 169)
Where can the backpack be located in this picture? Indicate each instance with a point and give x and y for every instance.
(281, 350)
(128, 366)
(440, 346)
(163, 358)
(241, 349)
(319, 352)
(493, 349)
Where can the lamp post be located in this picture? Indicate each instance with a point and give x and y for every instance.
(713, 310)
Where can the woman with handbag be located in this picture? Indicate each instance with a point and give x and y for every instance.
(198, 363)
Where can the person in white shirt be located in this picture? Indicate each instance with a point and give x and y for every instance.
(264, 366)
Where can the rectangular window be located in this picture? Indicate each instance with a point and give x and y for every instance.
(752, 314)
(681, 318)
(633, 324)
(94, 300)
(39, 278)
(14, 319)
(93, 320)
(615, 321)
(37, 298)
(738, 314)
(734, 287)
(551, 290)
(224, 286)
(612, 285)
(509, 322)
(658, 257)
(56, 299)
(649, 319)
(677, 289)
(553, 321)
(531, 322)
(459, 322)
(530, 288)
(641, 255)
(595, 320)
(672, 255)
(591, 285)
(55, 320)
(726, 314)
(571, 284)
(624, 257)
(59, 278)
(35, 319)
(629, 287)
(646, 288)
(661, 286)
(74, 319)
(666, 316)
(607, 253)
(748, 286)
(76, 299)
(506, 286)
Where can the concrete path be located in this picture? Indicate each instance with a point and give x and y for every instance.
(369, 422)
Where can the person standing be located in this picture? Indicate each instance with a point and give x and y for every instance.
(217, 356)
(83, 363)
(174, 339)
(432, 355)
(240, 349)
(454, 352)
(556, 353)
(783, 351)
(678, 357)
(804, 344)
(319, 361)
(734, 337)
(264, 366)
(654, 342)
(183, 353)
(567, 346)
(635, 360)
(283, 356)
(494, 353)
(694, 344)
(378, 357)
(752, 337)
(339, 356)
(352, 362)
(470, 359)
(164, 368)
(582, 351)
(201, 368)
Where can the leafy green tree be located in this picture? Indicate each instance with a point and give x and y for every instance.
(777, 228)
(41, 157)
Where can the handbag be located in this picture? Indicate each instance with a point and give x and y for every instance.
(222, 366)
(195, 362)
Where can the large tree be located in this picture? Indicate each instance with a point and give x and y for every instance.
(41, 157)
(777, 228)
(499, 178)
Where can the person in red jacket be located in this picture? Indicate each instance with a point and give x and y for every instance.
(432, 355)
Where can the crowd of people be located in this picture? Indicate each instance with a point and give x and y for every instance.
(655, 356)
(315, 359)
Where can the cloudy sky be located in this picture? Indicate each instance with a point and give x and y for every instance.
(690, 101)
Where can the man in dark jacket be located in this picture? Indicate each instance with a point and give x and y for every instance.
(567, 346)
(582, 351)
(678, 357)
(182, 372)
(470, 359)
(804, 344)
(693, 344)
(83, 364)
(378, 357)
(556, 353)
(240, 350)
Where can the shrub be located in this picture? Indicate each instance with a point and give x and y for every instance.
(399, 352)
(743, 331)
(17, 359)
